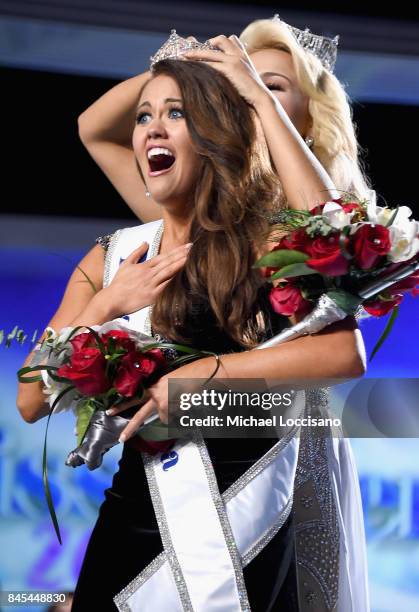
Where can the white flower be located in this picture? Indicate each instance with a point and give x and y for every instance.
(404, 237)
(404, 232)
(336, 216)
(372, 206)
(381, 215)
(52, 390)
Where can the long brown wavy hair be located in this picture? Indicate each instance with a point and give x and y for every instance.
(235, 192)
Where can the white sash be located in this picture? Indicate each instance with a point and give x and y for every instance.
(208, 540)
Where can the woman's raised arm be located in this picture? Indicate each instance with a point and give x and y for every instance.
(105, 129)
(304, 180)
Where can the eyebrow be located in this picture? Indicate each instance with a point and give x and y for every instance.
(167, 101)
(270, 74)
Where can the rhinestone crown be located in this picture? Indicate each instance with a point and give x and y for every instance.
(175, 46)
(325, 49)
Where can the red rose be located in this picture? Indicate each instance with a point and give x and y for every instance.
(134, 367)
(370, 243)
(288, 300)
(121, 338)
(326, 256)
(158, 356)
(298, 240)
(379, 308)
(351, 206)
(87, 371)
(129, 374)
(84, 340)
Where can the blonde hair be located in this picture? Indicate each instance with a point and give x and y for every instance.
(335, 141)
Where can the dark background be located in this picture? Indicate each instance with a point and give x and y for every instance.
(46, 169)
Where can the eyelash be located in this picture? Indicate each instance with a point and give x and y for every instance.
(172, 108)
(274, 86)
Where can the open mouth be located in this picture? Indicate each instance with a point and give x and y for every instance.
(160, 159)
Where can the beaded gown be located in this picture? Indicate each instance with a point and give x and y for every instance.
(126, 538)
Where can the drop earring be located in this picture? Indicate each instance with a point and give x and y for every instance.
(147, 193)
(309, 141)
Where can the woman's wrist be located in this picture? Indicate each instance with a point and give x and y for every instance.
(204, 368)
(98, 311)
(106, 305)
(263, 98)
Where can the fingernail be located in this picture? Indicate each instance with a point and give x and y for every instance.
(122, 438)
(109, 412)
(188, 246)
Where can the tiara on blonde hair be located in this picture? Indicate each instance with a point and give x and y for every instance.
(324, 48)
(175, 46)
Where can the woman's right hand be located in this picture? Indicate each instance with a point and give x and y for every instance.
(137, 285)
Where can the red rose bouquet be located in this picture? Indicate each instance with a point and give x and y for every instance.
(91, 371)
(338, 257)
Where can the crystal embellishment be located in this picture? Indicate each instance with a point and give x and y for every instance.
(175, 46)
(324, 48)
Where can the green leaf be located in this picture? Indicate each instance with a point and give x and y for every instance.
(346, 301)
(111, 345)
(170, 345)
(281, 258)
(89, 280)
(16, 334)
(297, 269)
(85, 411)
(11, 336)
(342, 246)
(21, 336)
(47, 491)
(386, 331)
(60, 379)
(22, 371)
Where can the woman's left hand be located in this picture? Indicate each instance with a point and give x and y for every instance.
(236, 64)
(158, 400)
